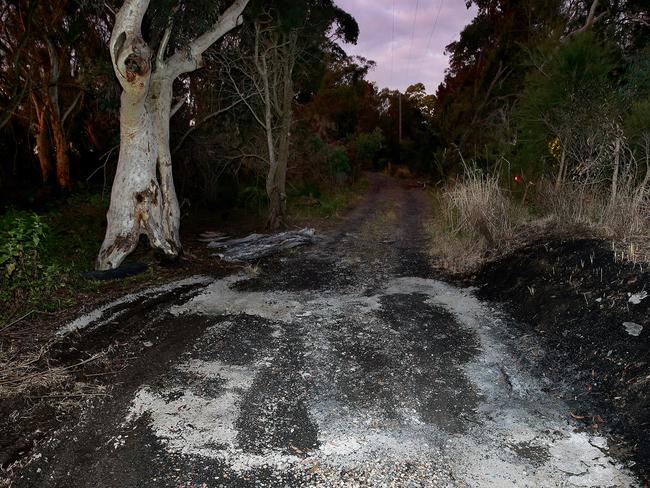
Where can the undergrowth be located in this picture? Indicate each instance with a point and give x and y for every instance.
(42, 254)
(311, 201)
(479, 218)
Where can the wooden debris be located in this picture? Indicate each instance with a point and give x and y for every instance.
(256, 246)
(210, 236)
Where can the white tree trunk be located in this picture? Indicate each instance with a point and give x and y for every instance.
(143, 198)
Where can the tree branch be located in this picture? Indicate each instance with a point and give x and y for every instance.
(71, 107)
(592, 18)
(190, 58)
(177, 106)
(203, 121)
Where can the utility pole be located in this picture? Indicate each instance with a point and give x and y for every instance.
(400, 117)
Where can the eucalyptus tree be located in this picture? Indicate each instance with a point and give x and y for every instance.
(285, 44)
(42, 74)
(143, 197)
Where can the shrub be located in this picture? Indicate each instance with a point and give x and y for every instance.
(476, 219)
(478, 205)
(338, 161)
(23, 271)
(590, 206)
(366, 146)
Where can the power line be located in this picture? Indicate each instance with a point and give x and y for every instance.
(435, 24)
(410, 56)
(392, 47)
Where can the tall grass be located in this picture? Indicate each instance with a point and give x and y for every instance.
(573, 203)
(478, 219)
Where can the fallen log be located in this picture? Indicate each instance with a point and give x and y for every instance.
(256, 246)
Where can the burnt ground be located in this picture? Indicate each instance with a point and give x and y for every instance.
(575, 296)
(343, 364)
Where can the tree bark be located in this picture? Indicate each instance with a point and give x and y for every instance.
(58, 134)
(143, 197)
(61, 152)
(43, 143)
(286, 118)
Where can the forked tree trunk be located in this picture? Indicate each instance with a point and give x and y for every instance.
(282, 102)
(278, 207)
(143, 198)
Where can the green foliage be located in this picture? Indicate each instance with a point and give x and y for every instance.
(366, 146)
(253, 197)
(338, 161)
(23, 271)
(637, 92)
(310, 200)
(567, 98)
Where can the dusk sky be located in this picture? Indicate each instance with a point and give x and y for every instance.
(419, 42)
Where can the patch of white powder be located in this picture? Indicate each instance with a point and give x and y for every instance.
(93, 317)
(513, 410)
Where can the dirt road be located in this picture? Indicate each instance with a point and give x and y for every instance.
(345, 364)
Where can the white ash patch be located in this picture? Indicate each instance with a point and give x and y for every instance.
(513, 411)
(220, 298)
(205, 426)
(516, 411)
(633, 328)
(636, 298)
(93, 317)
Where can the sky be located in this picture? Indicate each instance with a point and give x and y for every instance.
(416, 51)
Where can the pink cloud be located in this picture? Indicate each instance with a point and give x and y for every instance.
(416, 53)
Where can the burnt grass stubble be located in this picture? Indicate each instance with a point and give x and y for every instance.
(573, 296)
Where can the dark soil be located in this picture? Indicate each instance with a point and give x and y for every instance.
(574, 295)
(28, 418)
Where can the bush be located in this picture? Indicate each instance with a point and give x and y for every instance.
(478, 205)
(21, 257)
(338, 161)
(366, 146)
(591, 207)
(476, 219)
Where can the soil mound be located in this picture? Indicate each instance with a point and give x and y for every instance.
(590, 312)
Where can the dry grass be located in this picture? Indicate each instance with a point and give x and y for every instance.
(22, 372)
(580, 204)
(477, 220)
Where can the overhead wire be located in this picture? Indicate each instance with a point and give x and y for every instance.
(435, 24)
(410, 56)
(392, 47)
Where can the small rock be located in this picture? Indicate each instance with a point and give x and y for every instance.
(632, 328)
(637, 297)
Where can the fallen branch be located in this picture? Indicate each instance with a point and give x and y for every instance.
(256, 246)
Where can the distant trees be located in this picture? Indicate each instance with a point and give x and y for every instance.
(266, 68)
(45, 73)
(541, 84)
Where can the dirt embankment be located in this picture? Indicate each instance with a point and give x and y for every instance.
(590, 311)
